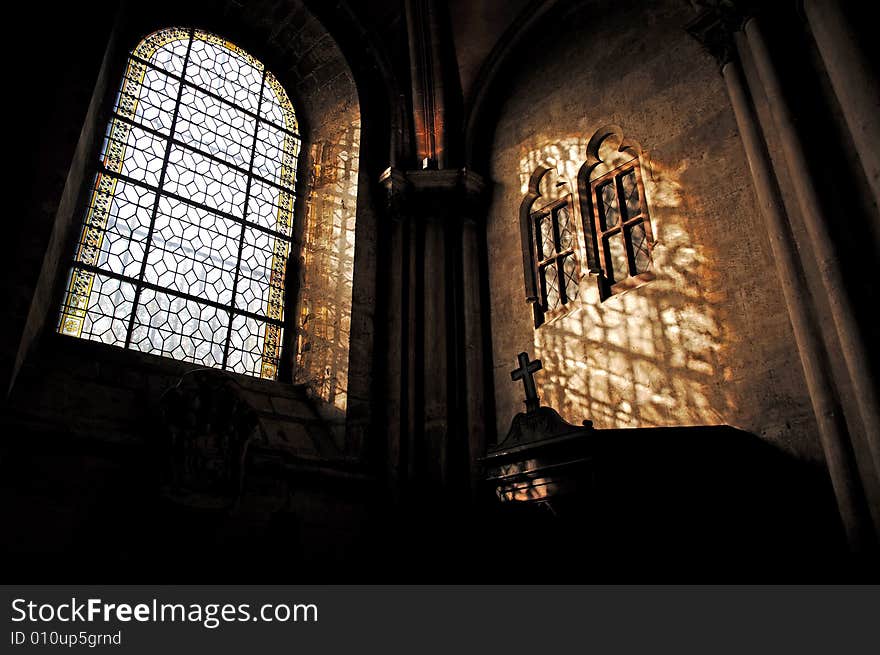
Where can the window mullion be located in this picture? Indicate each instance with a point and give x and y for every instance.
(614, 230)
(554, 224)
(538, 246)
(189, 201)
(623, 222)
(202, 300)
(149, 239)
(635, 219)
(560, 277)
(595, 217)
(211, 94)
(207, 155)
(626, 231)
(247, 195)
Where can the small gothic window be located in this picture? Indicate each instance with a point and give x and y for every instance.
(555, 260)
(617, 227)
(549, 224)
(185, 237)
(621, 224)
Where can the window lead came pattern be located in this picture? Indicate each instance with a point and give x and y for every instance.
(185, 239)
(621, 223)
(557, 268)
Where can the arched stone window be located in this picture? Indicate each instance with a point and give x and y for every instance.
(551, 247)
(184, 242)
(616, 212)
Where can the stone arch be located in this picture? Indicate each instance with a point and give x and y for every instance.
(483, 107)
(326, 91)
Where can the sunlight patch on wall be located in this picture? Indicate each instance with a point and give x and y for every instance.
(328, 267)
(563, 156)
(650, 356)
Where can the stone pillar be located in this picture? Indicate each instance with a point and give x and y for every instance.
(435, 311)
(399, 329)
(832, 429)
(435, 355)
(855, 85)
(474, 383)
(846, 327)
(427, 81)
(715, 32)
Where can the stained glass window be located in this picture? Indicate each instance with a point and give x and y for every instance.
(557, 266)
(185, 239)
(623, 229)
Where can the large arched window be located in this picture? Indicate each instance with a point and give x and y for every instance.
(185, 239)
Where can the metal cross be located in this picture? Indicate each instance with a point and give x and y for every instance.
(524, 373)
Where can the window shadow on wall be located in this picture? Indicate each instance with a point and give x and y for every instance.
(324, 323)
(653, 355)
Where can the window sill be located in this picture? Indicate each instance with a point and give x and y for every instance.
(630, 283)
(95, 353)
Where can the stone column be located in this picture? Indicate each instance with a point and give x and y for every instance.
(851, 343)
(839, 456)
(435, 336)
(474, 383)
(855, 84)
(435, 355)
(399, 330)
(714, 29)
(427, 81)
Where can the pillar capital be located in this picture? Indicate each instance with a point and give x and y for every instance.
(715, 26)
(443, 192)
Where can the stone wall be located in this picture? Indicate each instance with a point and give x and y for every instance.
(308, 61)
(55, 141)
(708, 341)
(328, 247)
